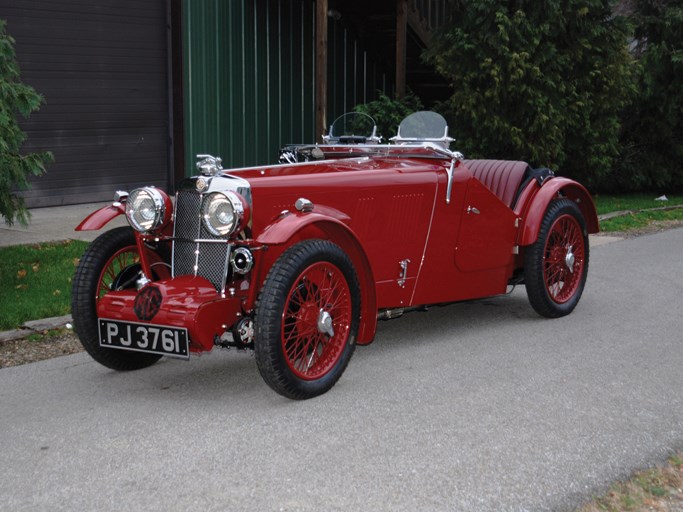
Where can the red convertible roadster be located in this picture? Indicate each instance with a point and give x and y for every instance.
(298, 261)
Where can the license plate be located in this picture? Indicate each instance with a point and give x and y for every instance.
(154, 339)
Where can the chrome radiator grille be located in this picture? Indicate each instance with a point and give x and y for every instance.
(205, 259)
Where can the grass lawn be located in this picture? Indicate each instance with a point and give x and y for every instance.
(36, 281)
(638, 219)
(607, 203)
(659, 489)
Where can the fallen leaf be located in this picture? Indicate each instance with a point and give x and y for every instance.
(76, 261)
(56, 292)
(21, 287)
(35, 267)
(21, 274)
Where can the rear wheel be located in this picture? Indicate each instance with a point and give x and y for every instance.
(556, 265)
(307, 319)
(111, 262)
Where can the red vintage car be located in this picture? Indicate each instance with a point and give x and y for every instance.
(298, 261)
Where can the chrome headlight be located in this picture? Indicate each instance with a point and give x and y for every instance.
(223, 213)
(147, 209)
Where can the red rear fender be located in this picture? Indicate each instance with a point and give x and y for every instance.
(538, 204)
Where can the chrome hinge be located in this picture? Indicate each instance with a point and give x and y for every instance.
(404, 273)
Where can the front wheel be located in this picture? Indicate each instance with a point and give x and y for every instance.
(556, 265)
(307, 319)
(111, 262)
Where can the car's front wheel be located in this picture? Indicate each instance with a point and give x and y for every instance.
(306, 319)
(556, 265)
(111, 262)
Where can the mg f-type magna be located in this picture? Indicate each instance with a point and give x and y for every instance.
(298, 261)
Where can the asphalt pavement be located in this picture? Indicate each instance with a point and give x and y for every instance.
(481, 406)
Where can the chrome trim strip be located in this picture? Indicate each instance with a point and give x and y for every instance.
(424, 249)
(195, 267)
(192, 240)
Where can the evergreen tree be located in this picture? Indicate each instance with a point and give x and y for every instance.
(542, 81)
(15, 168)
(653, 128)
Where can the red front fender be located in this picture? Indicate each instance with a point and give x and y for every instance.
(533, 215)
(296, 227)
(282, 229)
(99, 218)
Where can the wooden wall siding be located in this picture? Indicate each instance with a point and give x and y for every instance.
(430, 12)
(249, 77)
(354, 76)
(102, 67)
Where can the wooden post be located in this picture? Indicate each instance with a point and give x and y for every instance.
(401, 41)
(320, 68)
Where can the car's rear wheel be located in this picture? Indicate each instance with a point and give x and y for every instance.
(110, 262)
(307, 319)
(556, 265)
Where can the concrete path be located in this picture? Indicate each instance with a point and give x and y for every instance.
(481, 406)
(54, 224)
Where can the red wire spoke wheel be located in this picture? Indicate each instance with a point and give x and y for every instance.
(316, 321)
(564, 259)
(306, 319)
(111, 262)
(113, 274)
(556, 265)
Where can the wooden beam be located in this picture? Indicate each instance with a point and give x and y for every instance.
(420, 27)
(401, 41)
(321, 8)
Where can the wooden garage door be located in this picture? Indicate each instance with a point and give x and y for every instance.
(102, 67)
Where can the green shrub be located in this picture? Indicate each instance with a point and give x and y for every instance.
(15, 167)
(538, 81)
(652, 136)
(388, 113)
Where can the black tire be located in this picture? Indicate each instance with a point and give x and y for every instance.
(556, 265)
(294, 354)
(87, 288)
